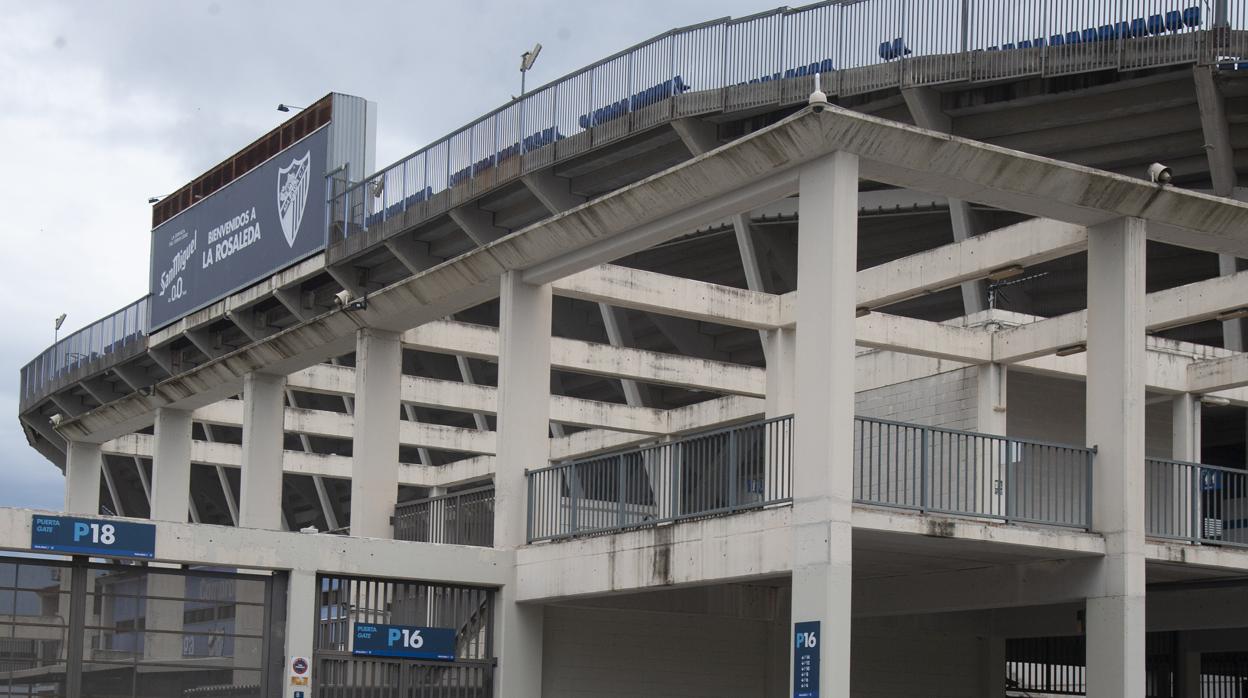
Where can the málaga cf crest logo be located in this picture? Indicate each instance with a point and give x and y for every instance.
(292, 194)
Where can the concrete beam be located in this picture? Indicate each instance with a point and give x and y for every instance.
(1205, 377)
(923, 337)
(477, 224)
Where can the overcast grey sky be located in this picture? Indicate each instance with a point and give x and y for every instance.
(103, 104)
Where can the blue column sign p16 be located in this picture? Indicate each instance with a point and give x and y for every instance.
(806, 659)
(68, 534)
(405, 641)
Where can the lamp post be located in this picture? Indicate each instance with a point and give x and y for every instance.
(56, 328)
(527, 59)
(288, 107)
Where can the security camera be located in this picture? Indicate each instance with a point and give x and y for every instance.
(818, 100)
(1159, 173)
(342, 298)
(56, 419)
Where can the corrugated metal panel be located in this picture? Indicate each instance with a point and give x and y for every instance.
(352, 136)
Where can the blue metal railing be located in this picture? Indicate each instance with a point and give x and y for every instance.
(769, 58)
(121, 333)
(1196, 503)
(750, 466)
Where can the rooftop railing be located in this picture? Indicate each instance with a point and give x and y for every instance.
(1196, 503)
(770, 59)
(750, 466)
(113, 337)
(459, 518)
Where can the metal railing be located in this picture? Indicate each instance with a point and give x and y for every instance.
(1196, 503)
(459, 518)
(708, 474)
(114, 336)
(961, 472)
(770, 58)
(750, 466)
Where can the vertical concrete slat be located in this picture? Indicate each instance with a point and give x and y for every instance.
(83, 463)
(1115, 425)
(375, 447)
(824, 438)
(171, 465)
(260, 497)
(523, 442)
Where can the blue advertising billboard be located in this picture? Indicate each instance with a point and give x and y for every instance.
(69, 534)
(404, 641)
(260, 223)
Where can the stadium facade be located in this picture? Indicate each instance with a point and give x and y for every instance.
(852, 349)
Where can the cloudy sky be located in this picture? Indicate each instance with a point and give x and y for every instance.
(103, 104)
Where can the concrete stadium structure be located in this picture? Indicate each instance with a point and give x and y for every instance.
(624, 381)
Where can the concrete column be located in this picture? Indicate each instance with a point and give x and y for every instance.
(1115, 425)
(994, 667)
(375, 449)
(83, 463)
(990, 402)
(1187, 679)
(523, 442)
(1185, 428)
(260, 499)
(823, 475)
(301, 604)
(171, 465)
(781, 372)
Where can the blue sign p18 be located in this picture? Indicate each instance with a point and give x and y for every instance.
(68, 534)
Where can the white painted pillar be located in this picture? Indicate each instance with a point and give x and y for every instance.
(1185, 428)
(523, 442)
(781, 372)
(260, 499)
(301, 605)
(375, 459)
(990, 399)
(824, 439)
(83, 463)
(1115, 425)
(171, 465)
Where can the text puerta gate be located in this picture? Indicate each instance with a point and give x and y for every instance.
(462, 615)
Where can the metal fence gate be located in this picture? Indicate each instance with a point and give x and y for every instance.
(80, 630)
(345, 601)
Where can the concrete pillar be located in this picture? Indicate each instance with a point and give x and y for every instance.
(1185, 428)
(260, 499)
(823, 475)
(375, 448)
(171, 465)
(523, 442)
(301, 605)
(781, 372)
(1115, 425)
(994, 667)
(83, 462)
(990, 402)
(1187, 674)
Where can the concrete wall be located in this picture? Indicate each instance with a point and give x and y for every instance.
(943, 400)
(891, 664)
(607, 652)
(1053, 409)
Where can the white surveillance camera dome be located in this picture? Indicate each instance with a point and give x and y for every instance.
(342, 298)
(1159, 173)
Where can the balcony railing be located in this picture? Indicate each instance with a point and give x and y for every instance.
(460, 518)
(961, 472)
(750, 466)
(114, 337)
(707, 474)
(1196, 503)
(769, 59)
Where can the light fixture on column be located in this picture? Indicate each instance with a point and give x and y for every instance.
(1215, 401)
(1072, 350)
(288, 107)
(862, 311)
(1235, 314)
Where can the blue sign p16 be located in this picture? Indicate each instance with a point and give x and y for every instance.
(68, 534)
(407, 641)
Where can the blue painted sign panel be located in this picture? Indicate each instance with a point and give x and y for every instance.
(260, 223)
(405, 641)
(806, 659)
(68, 534)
